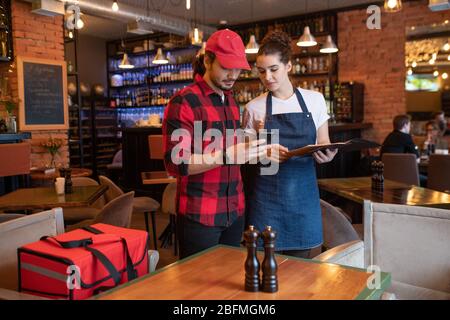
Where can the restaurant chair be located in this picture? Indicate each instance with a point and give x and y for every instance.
(144, 205)
(17, 166)
(16, 233)
(409, 242)
(169, 207)
(156, 152)
(77, 214)
(115, 167)
(4, 217)
(117, 212)
(337, 227)
(401, 167)
(439, 172)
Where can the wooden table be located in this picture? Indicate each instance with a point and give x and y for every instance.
(46, 198)
(76, 172)
(218, 273)
(157, 177)
(359, 189)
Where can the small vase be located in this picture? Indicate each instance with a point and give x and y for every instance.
(11, 124)
(52, 162)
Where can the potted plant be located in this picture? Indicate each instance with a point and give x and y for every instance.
(10, 106)
(52, 145)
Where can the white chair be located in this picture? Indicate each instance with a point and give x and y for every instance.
(16, 233)
(410, 242)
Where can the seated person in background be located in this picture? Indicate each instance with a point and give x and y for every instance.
(434, 140)
(399, 140)
(439, 118)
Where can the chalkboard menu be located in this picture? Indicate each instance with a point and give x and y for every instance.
(42, 91)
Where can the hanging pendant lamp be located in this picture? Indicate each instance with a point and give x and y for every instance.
(160, 58)
(252, 46)
(307, 39)
(329, 46)
(125, 63)
(202, 49)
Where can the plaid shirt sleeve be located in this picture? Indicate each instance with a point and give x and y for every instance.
(178, 125)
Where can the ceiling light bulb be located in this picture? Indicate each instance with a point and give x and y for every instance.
(115, 6)
(446, 46)
(448, 57)
(392, 5)
(196, 36)
(435, 73)
(409, 72)
(188, 4)
(434, 56)
(414, 64)
(70, 34)
(80, 24)
(444, 75)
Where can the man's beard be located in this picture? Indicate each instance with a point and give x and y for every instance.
(218, 85)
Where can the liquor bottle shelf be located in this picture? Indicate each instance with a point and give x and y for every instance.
(151, 84)
(146, 106)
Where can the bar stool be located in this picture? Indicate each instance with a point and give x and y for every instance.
(169, 207)
(143, 205)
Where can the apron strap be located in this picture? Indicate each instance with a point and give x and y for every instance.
(300, 99)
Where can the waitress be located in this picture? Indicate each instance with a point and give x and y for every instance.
(289, 200)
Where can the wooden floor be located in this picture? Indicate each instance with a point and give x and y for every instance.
(166, 255)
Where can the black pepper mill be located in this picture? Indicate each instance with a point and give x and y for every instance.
(381, 176)
(269, 264)
(373, 167)
(62, 172)
(251, 263)
(68, 184)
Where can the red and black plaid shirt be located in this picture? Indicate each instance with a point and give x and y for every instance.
(214, 197)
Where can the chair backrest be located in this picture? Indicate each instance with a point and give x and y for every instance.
(113, 190)
(169, 199)
(10, 216)
(410, 242)
(19, 163)
(337, 229)
(118, 157)
(85, 181)
(439, 172)
(401, 167)
(155, 146)
(18, 232)
(118, 211)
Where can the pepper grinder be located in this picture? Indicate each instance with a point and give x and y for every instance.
(251, 263)
(68, 185)
(269, 264)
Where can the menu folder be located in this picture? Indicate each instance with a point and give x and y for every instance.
(350, 145)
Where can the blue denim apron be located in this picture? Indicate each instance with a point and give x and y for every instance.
(289, 200)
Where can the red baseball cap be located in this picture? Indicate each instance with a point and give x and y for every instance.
(229, 49)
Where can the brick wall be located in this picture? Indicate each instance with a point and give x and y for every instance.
(39, 37)
(376, 58)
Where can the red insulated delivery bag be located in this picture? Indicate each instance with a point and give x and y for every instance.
(78, 264)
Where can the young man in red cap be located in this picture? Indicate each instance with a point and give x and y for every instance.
(210, 198)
